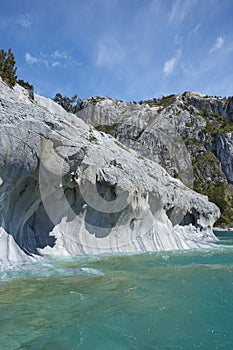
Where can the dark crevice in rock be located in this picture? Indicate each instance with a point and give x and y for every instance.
(188, 219)
(178, 217)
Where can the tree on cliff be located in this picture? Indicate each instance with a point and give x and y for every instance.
(7, 67)
(69, 104)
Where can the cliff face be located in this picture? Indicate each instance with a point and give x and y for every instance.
(190, 135)
(66, 188)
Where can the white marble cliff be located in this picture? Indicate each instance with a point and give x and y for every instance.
(66, 188)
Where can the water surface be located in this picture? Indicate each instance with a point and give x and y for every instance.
(177, 300)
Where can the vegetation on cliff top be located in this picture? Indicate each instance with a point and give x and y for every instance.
(7, 67)
(8, 72)
(163, 102)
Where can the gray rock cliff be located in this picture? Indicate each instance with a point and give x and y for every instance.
(66, 188)
(190, 135)
(154, 127)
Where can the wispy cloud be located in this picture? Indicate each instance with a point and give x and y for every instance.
(180, 9)
(41, 59)
(171, 64)
(24, 20)
(194, 30)
(30, 59)
(218, 44)
(109, 53)
(60, 55)
(178, 40)
(55, 59)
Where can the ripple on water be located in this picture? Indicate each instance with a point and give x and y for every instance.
(175, 300)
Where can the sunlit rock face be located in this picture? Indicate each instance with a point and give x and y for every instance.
(66, 188)
(172, 130)
(189, 134)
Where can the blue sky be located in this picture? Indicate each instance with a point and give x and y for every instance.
(127, 49)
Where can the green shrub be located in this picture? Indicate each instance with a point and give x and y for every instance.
(216, 123)
(92, 137)
(163, 102)
(220, 194)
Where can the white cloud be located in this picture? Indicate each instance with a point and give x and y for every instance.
(41, 59)
(180, 9)
(171, 64)
(24, 20)
(60, 54)
(55, 59)
(30, 59)
(56, 64)
(218, 44)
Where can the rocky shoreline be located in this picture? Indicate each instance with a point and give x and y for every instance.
(223, 229)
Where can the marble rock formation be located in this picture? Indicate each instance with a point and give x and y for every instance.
(66, 188)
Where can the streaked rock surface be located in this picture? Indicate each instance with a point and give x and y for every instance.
(156, 128)
(66, 189)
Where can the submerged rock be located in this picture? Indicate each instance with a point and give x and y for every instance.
(67, 188)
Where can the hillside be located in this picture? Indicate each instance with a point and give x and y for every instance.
(189, 134)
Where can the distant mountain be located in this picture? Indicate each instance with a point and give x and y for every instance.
(189, 134)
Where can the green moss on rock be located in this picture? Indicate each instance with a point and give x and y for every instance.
(216, 123)
(108, 129)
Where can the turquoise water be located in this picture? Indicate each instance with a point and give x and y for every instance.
(181, 300)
